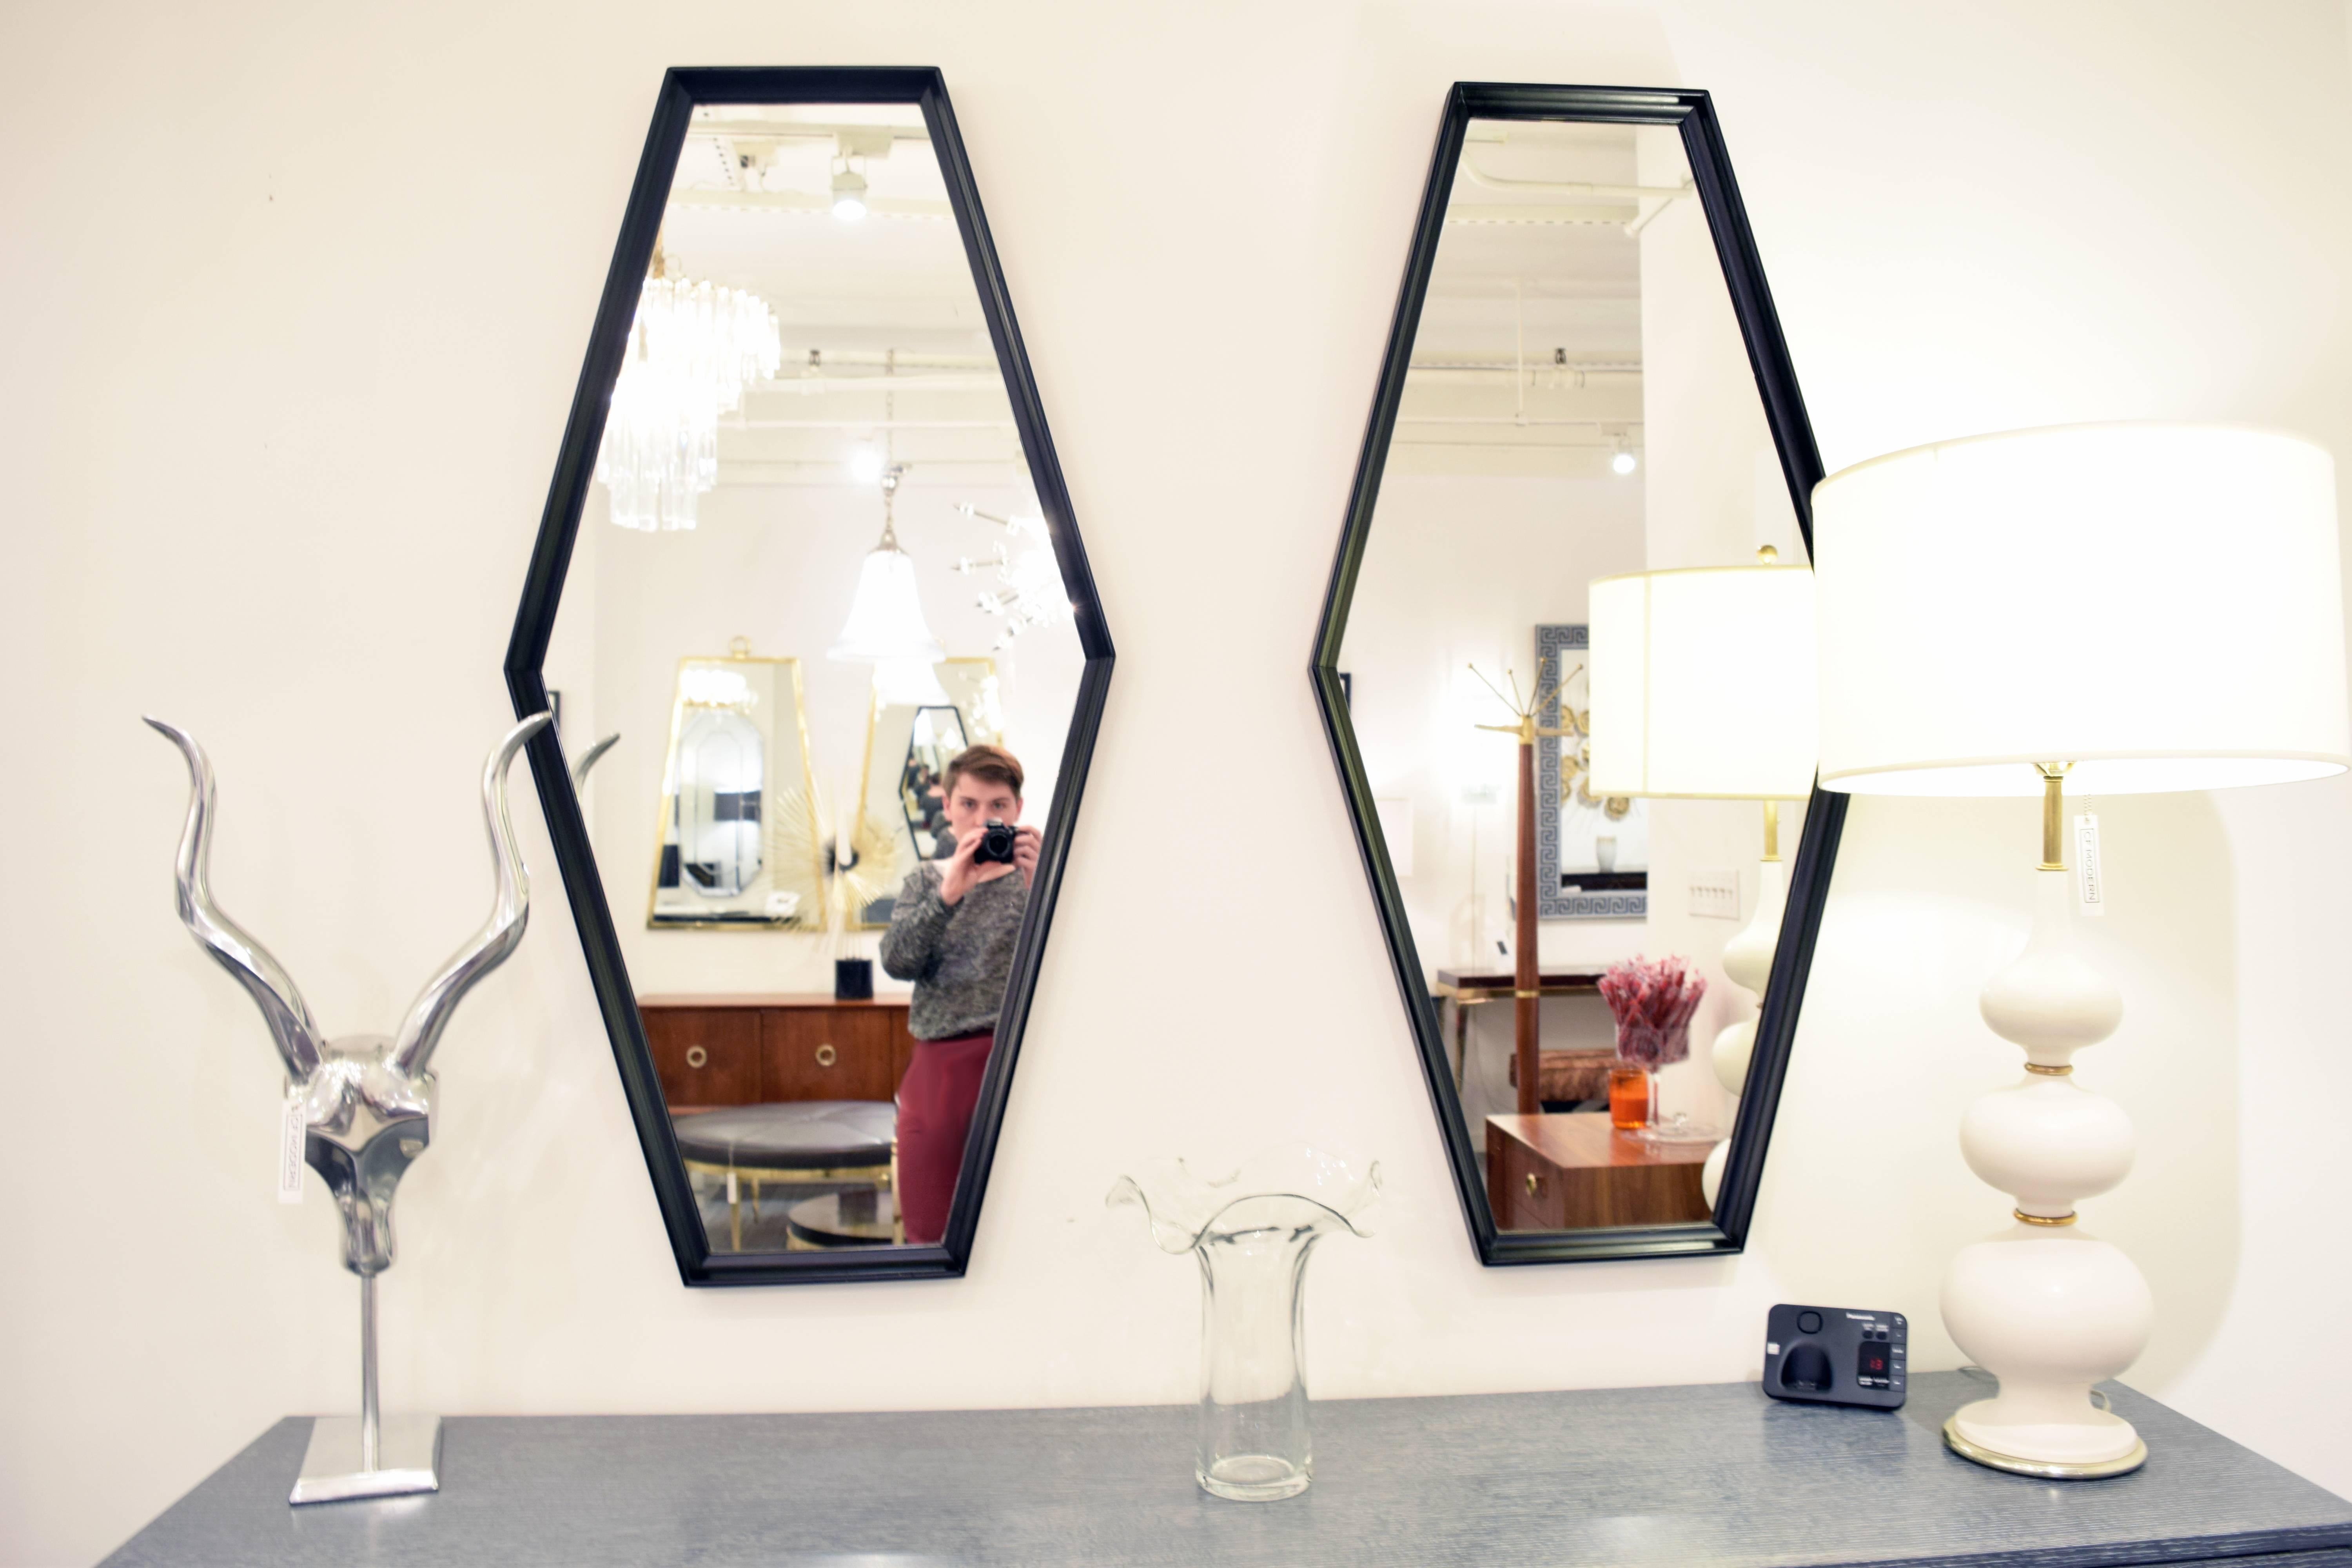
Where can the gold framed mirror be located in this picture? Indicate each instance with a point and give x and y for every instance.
(735, 840)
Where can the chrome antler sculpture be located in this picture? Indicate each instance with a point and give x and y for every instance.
(366, 1105)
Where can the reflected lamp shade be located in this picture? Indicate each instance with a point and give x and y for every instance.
(1703, 683)
(885, 619)
(2159, 606)
(909, 683)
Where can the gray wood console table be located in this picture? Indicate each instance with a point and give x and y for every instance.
(1711, 1474)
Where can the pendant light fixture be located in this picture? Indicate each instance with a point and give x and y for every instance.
(886, 615)
(909, 683)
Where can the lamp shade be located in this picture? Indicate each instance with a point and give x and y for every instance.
(2159, 606)
(886, 617)
(909, 683)
(1703, 683)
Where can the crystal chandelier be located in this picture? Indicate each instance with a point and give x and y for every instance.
(692, 348)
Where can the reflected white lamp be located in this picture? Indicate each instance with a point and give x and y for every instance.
(885, 624)
(909, 683)
(1704, 688)
(2126, 607)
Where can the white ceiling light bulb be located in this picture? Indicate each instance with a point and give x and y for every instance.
(848, 194)
(866, 464)
(886, 621)
(1623, 461)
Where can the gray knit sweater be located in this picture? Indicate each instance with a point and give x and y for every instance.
(958, 957)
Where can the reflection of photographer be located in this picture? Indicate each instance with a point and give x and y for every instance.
(953, 933)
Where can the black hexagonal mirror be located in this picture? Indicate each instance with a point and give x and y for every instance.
(809, 556)
(1564, 665)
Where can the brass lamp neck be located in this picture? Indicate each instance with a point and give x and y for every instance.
(1771, 830)
(2054, 816)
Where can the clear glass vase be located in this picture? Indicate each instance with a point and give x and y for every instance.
(1252, 1233)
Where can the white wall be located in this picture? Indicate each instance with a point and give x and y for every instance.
(300, 296)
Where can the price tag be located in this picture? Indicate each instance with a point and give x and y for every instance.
(293, 1128)
(2090, 880)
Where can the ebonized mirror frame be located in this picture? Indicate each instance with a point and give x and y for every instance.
(682, 90)
(1692, 114)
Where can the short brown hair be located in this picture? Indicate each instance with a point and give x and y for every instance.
(990, 764)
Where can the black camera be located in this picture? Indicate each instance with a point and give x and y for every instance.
(995, 844)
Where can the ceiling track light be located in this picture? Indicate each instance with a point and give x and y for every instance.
(848, 193)
(1621, 460)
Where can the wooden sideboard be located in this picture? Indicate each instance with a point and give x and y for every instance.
(717, 1050)
(1574, 1172)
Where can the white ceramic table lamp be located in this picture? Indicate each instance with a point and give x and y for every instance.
(1704, 688)
(2123, 608)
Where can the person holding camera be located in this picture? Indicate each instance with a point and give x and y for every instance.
(953, 932)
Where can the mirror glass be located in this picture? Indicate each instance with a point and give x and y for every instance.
(813, 593)
(910, 736)
(737, 840)
(1578, 406)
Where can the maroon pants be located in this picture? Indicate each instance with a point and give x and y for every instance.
(935, 1105)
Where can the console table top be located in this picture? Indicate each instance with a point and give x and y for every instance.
(1704, 1474)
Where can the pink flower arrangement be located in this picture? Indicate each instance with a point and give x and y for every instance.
(1652, 1003)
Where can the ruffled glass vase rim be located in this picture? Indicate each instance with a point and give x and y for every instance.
(1184, 1209)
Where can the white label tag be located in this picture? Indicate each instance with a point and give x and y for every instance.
(730, 1186)
(293, 1128)
(2090, 881)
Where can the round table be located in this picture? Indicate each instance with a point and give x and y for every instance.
(798, 1140)
(865, 1218)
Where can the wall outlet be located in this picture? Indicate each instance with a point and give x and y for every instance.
(1714, 894)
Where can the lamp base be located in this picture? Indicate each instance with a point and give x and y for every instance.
(408, 1459)
(2048, 1470)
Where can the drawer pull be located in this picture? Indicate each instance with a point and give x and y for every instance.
(696, 1056)
(827, 1056)
(1535, 1184)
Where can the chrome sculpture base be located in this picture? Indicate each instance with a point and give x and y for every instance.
(408, 1459)
(2048, 1470)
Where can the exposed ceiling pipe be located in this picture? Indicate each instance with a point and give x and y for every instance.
(1633, 230)
(1516, 420)
(1633, 223)
(1559, 362)
(891, 360)
(1575, 187)
(741, 424)
(806, 201)
(798, 130)
(1596, 448)
(826, 473)
(1532, 216)
(950, 381)
(1553, 378)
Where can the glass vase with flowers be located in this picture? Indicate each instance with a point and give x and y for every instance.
(1652, 1000)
